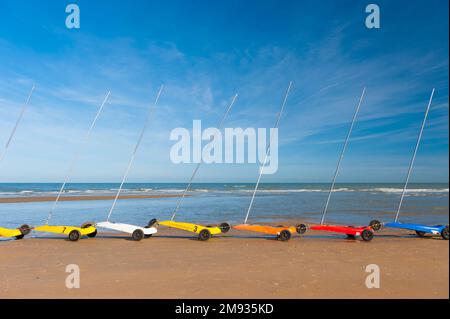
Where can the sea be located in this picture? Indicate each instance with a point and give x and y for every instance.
(210, 203)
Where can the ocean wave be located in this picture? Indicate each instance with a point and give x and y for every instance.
(411, 190)
(236, 189)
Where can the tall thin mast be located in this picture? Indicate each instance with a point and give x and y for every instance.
(76, 156)
(414, 156)
(201, 161)
(342, 156)
(133, 155)
(267, 151)
(22, 112)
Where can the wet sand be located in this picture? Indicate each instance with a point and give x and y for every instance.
(36, 199)
(173, 264)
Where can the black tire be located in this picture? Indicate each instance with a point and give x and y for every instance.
(375, 225)
(444, 233)
(301, 229)
(152, 222)
(367, 235)
(74, 235)
(420, 233)
(24, 230)
(137, 235)
(351, 236)
(285, 235)
(89, 224)
(225, 227)
(204, 235)
(93, 234)
(20, 237)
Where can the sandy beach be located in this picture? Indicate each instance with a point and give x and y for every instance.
(37, 199)
(173, 264)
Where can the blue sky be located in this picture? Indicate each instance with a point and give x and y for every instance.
(206, 51)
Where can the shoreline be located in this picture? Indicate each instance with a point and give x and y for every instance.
(37, 199)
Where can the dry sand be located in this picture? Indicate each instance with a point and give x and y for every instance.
(173, 264)
(36, 199)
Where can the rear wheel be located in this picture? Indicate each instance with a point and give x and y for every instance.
(24, 230)
(375, 224)
(420, 233)
(137, 235)
(285, 235)
(444, 233)
(19, 237)
(367, 235)
(204, 235)
(224, 227)
(301, 228)
(74, 235)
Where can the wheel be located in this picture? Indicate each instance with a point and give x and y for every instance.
(367, 235)
(89, 224)
(152, 222)
(137, 235)
(93, 234)
(375, 224)
(351, 236)
(25, 230)
(204, 235)
(420, 233)
(20, 237)
(225, 227)
(301, 229)
(285, 235)
(74, 235)
(444, 233)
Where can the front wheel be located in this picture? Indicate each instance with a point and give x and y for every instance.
(444, 233)
(367, 235)
(87, 225)
(25, 229)
(74, 235)
(225, 227)
(152, 222)
(301, 229)
(93, 234)
(285, 235)
(375, 225)
(204, 235)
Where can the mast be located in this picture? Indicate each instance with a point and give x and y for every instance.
(76, 156)
(341, 157)
(133, 155)
(22, 112)
(267, 151)
(201, 160)
(414, 156)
